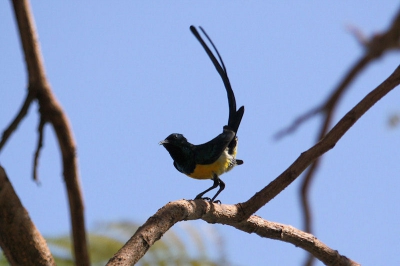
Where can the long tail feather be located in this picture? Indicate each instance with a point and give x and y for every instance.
(235, 117)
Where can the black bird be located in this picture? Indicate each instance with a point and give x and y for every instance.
(218, 156)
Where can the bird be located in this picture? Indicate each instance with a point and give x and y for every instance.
(217, 156)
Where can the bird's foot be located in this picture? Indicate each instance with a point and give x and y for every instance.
(209, 200)
(205, 198)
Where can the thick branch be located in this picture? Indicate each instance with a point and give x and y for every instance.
(51, 112)
(182, 210)
(20, 241)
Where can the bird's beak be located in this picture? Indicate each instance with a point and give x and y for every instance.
(163, 142)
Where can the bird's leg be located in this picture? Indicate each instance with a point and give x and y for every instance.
(221, 187)
(217, 182)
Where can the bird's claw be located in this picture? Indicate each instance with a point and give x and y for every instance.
(208, 199)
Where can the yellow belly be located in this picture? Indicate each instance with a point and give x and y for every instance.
(206, 171)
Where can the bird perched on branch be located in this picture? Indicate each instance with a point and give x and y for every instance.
(218, 156)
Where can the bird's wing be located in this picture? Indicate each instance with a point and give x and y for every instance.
(209, 152)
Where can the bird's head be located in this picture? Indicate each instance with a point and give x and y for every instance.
(174, 139)
(177, 146)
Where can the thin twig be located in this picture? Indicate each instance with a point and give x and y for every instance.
(39, 146)
(298, 122)
(14, 124)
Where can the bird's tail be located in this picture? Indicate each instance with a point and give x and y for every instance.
(235, 116)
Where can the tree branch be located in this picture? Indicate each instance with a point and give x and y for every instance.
(296, 237)
(325, 144)
(376, 47)
(20, 240)
(14, 124)
(38, 148)
(183, 210)
(51, 112)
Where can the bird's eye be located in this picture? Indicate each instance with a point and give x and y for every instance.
(175, 136)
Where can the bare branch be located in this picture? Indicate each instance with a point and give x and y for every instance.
(297, 122)
(358, 34)
(325, 144)
(177, 211)
(14, 124)
(296, 237)
(376, 47)
(51, 111)
(20, 240)
(38, 148)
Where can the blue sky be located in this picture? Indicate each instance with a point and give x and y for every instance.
(129, 73)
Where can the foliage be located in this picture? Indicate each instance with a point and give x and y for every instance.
(172, 249)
